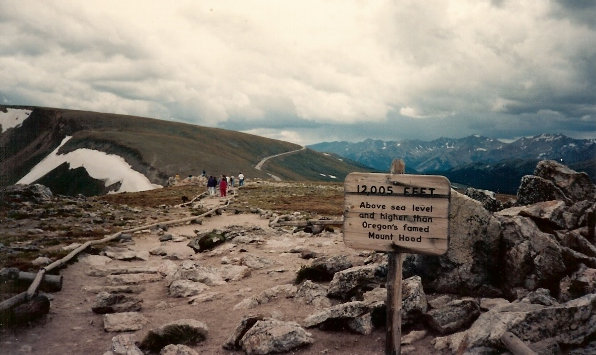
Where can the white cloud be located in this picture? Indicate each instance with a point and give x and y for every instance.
(330, 62)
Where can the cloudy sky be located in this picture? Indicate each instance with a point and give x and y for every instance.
(312, 71)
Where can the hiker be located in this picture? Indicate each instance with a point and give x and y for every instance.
(223, 186)
(232, 181)
(211, 184)
(240, 179)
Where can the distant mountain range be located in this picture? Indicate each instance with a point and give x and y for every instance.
(93, 153)
(475, 160)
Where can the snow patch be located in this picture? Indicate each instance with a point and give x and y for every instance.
(99, 165)
(13, 118)
(481, 149)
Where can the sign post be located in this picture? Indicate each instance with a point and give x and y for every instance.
(396, 213)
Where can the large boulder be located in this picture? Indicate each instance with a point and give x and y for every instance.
(347, 315)
(487, 198)
(468, 266)
(576, 186)
(353, 282)
(536, 189)
(453, 316)
(531, 259)
(567, 324)
(323, 268)
(268, 336)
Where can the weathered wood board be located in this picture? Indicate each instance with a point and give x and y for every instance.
(408, 211)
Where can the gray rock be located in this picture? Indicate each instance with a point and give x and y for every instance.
(114, 289)
(159, 251)
(487, 198)
(486, 304)
(413, 337)
(267, 296)
(273, 336)
(453, 316)
(207, 241)
(123, 322)
(532, 259)
(124, 344)
(340, 316)
(166, 237)
(540, 296)
(255, 262)
(468, 266)
(311, 293)
(106, 302)
(124, 254)
(190, 270)
(356, 280)
(414, 302)
(233, 341)
(234, 272)
(183, 331)
(570, 323)
(535, 189)
(41, 260)
(362, 324)
(177, 349)
(186, 288)
(576, 186)
(132, 279)
(549, 212)
(582, 282)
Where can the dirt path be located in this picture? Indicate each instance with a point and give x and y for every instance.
(72, 328)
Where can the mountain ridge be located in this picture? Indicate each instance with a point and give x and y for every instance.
(474, 160)
(156, 148)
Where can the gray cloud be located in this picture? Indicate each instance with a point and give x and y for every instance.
(311, 70)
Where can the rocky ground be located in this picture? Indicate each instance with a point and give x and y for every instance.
(236, 281)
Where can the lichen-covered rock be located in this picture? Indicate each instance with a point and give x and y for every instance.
(487, 198)
(123, 321)
(190, 270)
(186, 288)
(267, 296)
(356, 280)
(270, 336)
(177, 349)
(309, 292)
(124, 344)
(414, 302)
(341, 316)
(570, 323)
(233, 341)
(532, 259)
(453, 316)
(576, 186)
(106, 302)
(183, 331)
(533, 189)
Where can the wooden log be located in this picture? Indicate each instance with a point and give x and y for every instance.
(50, 283)
(515, 345)
(394, 292)
(13, 301)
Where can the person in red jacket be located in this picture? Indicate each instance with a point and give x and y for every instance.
(223, 186)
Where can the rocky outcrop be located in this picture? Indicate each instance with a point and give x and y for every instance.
(554, 181)
(454, 316)
(486, 198)
(469, 265)
(353, 282)
(570, 323)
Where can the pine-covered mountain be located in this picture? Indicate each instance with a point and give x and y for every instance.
(475, 160)
(89, 152)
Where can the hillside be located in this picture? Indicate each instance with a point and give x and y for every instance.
(157, 149)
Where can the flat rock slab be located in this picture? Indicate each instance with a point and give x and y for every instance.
(132, 279)
(123, 322)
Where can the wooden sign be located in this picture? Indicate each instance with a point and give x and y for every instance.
(408, 211)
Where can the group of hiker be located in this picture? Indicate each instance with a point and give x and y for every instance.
(224, 182)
